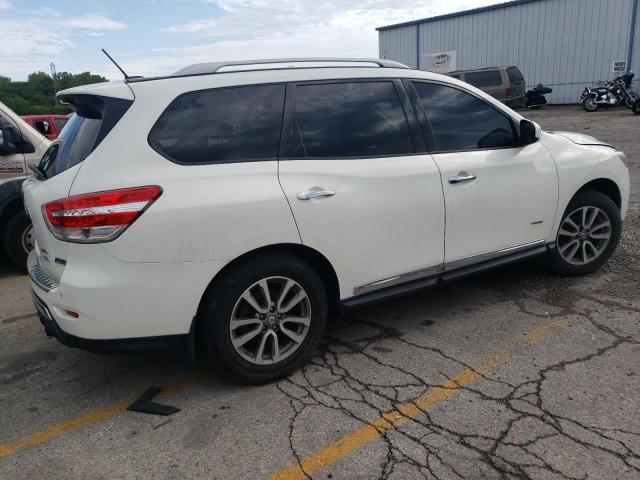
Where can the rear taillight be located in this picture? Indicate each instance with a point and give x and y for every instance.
(509, 92)
(98, 217)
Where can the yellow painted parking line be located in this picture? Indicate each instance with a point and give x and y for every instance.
(55, 431)
(354, 441)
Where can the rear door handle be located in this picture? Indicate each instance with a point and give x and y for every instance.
(315, 194)
(462, 178)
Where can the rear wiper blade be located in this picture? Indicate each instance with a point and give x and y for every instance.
(40, 175)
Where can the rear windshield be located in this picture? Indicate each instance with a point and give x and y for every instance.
(94, 118)
(73, 145)
(515, 76)
(484, 78)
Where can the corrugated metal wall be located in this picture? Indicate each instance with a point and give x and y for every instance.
(561, 43)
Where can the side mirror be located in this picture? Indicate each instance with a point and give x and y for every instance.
(529, 132)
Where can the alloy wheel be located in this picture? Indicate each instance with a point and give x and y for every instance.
(270, 320)
(584, 234)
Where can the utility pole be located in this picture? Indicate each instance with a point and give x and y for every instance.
(55, 79)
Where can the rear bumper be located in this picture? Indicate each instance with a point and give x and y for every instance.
(125, 345)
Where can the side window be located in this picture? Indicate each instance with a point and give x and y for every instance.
(222, 125)
(460, 121)
(42, 126)
(350, 119)
(60, 123)
(484, 78)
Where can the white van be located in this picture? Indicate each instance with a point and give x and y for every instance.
(20, 146)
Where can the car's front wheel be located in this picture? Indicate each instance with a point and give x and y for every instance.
(263, 318)
(589, 233)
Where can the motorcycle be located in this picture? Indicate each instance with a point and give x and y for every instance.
(536, 96)
(609, 93)
(636, 107)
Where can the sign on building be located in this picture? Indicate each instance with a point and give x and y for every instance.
(619, 67)
(440, 62)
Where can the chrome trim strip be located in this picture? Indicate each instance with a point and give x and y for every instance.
(398, 279)
(483, 257)
(37, 274)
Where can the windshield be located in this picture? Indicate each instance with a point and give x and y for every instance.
(73, 145)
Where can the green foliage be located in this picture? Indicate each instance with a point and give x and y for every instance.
(36, 95)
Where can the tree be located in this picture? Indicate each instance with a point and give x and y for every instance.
(36, 95)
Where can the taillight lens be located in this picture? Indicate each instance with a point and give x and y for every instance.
(509, 92)
(98, 217)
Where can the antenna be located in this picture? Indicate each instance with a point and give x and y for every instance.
(126, 77)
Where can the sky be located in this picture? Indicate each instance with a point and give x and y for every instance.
(156, 37)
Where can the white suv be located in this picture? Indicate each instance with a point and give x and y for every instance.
(229, 207)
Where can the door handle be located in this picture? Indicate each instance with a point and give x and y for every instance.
(462, 178)
(315, 194)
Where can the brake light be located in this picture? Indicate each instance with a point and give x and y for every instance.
(98, 217)
(509, 92)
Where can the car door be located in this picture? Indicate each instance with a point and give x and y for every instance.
(499, 195)
(12, 148)
(361, 193)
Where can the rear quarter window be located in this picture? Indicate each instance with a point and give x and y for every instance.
(484, 78)
(235, 124)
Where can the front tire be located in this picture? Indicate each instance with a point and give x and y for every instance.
(589, 233)
(630, 101)
(262, 319)
(18, 238)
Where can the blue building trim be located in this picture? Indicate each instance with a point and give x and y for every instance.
(632, 34)
(488, 8)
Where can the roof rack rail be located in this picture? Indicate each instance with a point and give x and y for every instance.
(283, 63)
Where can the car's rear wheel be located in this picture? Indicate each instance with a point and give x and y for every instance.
(263, 318)
(589, 233)
(18, 238)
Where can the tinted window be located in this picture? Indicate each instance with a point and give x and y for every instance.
(461, 121)
(484, 78)
(515, 76)
(350, 120)
(73, 145)
(60, 122)
(222, 125)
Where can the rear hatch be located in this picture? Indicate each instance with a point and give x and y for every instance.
(97, 110)
(516, 79)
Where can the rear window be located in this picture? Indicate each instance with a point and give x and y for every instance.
(235, 124)
(484, 78)
(73, 145)
(94, 118)
(515, 76)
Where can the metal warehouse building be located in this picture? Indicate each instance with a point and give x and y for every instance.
(564, 44)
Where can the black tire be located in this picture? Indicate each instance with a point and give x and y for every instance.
(16, 229)
(630, 101)
(219, 302)
(590, 105)
(636, 107)
(555, 261)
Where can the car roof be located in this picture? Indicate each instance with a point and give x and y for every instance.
(481, 69)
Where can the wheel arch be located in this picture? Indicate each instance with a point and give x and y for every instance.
(10, 201)
(318, 262)
(605, 186)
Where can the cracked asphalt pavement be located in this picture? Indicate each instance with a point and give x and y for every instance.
(511, 374)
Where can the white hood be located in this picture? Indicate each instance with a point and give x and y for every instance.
(582, 139)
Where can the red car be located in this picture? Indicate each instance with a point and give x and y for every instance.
(48, 125)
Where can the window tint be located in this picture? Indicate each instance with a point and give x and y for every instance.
(350, 120)
(484, 78)
(60, 122)
(73, 145)
(221, 125)
(461, 121)
(515, 76)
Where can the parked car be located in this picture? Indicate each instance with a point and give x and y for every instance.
(20, 146)
(305, 190)
(48, 125)
(504, 83)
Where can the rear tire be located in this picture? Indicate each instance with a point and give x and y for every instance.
(589, 233)
(251, 334)
(18, 238)
(590, 105)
